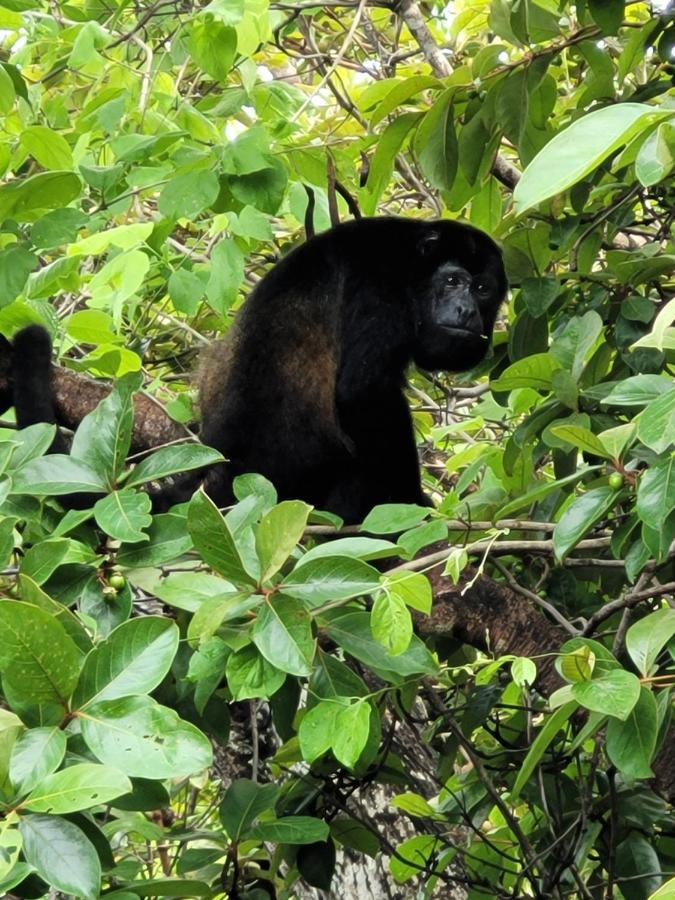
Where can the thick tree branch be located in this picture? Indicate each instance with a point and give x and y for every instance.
(76, 395)
(492, 617)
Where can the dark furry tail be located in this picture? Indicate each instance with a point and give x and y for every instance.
(33, 390)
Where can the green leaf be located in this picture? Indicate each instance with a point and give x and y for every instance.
(283, 634)
(143, 739)
(249, 675)
(16, 264)
(631, 744)
(665, 892)
(61, 854)
(656, 494)
(436, 143)
(551, 727)
(389, 518)
(580, 148)
(186, 196)
(46, 190)
(133, 659)
(330, 579)
(57, 474)
(278, 534)
(539, 293)
(350, 735)
(412, 587)
(103, 437)
(78, 787)
(47, 147)
(656, 157)
(7, 92)
(614, 694)
(212, 46)
(647, 638)
(317, 728)
(581, 438)
(124, 237)
(123, 515)
(578, 664)
(168, 540)
(243, 802)
(351, 547)
(351, 631)
(530, 372)
(292, 830)
(608, 14)
(214, 611)
(36, 753)
(391, 623)
(186, 290)
(39, 662)
(189, 590)
(214, 541)
(401, 92)
(227, 274)
(412, 857)
(638, 390)
(656, 423)
(538, 493)
(382, 163)
(580, 517)
(638, 868)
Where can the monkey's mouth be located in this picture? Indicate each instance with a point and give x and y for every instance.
(464, 332)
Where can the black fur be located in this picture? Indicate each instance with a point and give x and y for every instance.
(376, 292)
(307, 387)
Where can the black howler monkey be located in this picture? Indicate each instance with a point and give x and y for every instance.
(307, 386)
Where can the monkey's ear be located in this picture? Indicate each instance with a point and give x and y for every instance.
(428, 242)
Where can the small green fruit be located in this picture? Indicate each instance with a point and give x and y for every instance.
(117, 581)
(616, 480)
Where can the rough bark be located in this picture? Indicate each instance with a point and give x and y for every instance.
(488, 615)
(76, 395)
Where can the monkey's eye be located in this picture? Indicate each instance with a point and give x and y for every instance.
(453, 280)
(482, 287)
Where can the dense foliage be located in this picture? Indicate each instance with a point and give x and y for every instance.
(156, 158)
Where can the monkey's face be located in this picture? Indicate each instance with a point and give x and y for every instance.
(455, 314)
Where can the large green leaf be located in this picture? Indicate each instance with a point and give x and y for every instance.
(37, 752)
(656, 493)
(292, 830)
(647, 638)
(214, 541)
(631, 743)
(103, 437)
(243, 802)
(278, 534)
(329, 579)
(351, 631)
(143, 739)
(170, 460)
(55, 475)
(580, 148)
(77, 787)
(46, 190)
(133, 659)
(37, 658)
(123, 515)
(61, 853)
(283, 634)
(580, 517)
(615, 693)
